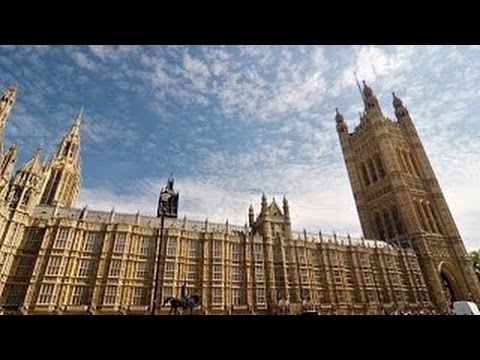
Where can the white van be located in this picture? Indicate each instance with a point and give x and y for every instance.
(465, 308)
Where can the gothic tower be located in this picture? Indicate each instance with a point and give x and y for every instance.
(63, 169)
(6, 105)
(399, 200)
(21, 198)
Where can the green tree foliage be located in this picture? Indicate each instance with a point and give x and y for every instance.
(475, 257)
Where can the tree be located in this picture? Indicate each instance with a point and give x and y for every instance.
(475, 257)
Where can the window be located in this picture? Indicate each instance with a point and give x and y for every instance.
(303, 275)
(372, 169)
(139, 296)
(142, 270)
(15, 294)
(146, 246)
(237, 252)
(25, 266)
(171, 246)
(169, 270)
(80, 295)
(318, 276)
(277, 254)
(366, 180)
(258, 252)
(93, 242)
(62, 237)
(379, 163)
(237, 273)
(238, 297)
(217, 272)
(46, 294)
(34, 240)
(217, 249)
(259, 273)
(194, 248)
(192, 272)
(54, 265)
(115, 267)
(217, 296)
(119, 243)
(110, 295)
(260, 296)
(85, 268)
(167, 292)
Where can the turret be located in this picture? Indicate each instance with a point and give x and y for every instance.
(372, 107)
(251, 216)
(6, 104)
(7, 164)
(63, 170)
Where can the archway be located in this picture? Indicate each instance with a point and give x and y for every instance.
(449, 283)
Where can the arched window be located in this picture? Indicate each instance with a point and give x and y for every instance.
(366, 180)
(378, 162)
(380, 230)
(420, 217)
(388, 224)
(397, 220)
(373, 172)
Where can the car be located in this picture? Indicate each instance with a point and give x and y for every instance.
(465, 308)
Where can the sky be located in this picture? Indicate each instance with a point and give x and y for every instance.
(231, 122)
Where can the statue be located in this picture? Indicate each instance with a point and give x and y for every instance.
(184, 302)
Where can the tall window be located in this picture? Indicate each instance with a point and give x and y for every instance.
(110, 295)
(237, 252)
(238, 297)
(115, 267)
(192, 272)
(260, 295)
(217, 249)
(62, 238)
(139, 296)
(258, 252)
(217, 296)
(93, 242)
(146, 246)
(259, 273)
(379, 163)
(55, 265)
(142, 270)
(373, 172)
(80, 295)
(169, 270)
(25, 266)
(46, 295)
(85, 268)
(366, 180)
(237, 273)
(388, 224)
(380, 230)
(167, 292)
(194, 250)
(171, 246)
(217, 272)
(119, 242)
(34, 240)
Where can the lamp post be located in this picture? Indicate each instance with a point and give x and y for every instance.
(164, 199)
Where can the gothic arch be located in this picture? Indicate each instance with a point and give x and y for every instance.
(449, 281)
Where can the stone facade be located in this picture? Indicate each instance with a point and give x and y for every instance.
(56, 259)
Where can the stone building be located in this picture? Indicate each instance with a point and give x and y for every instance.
(57, 259)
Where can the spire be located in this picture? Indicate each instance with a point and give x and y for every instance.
(264, 203)
(6, 104)
(372, 107)
(75, 129)
(341, 125)
(359, 87)
(34, 164)
(286, 208)
(400, 109)
(7, 164)
(251, 215)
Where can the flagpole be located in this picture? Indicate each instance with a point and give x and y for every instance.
(154, 302)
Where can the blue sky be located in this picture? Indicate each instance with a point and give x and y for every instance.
(233, 121)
